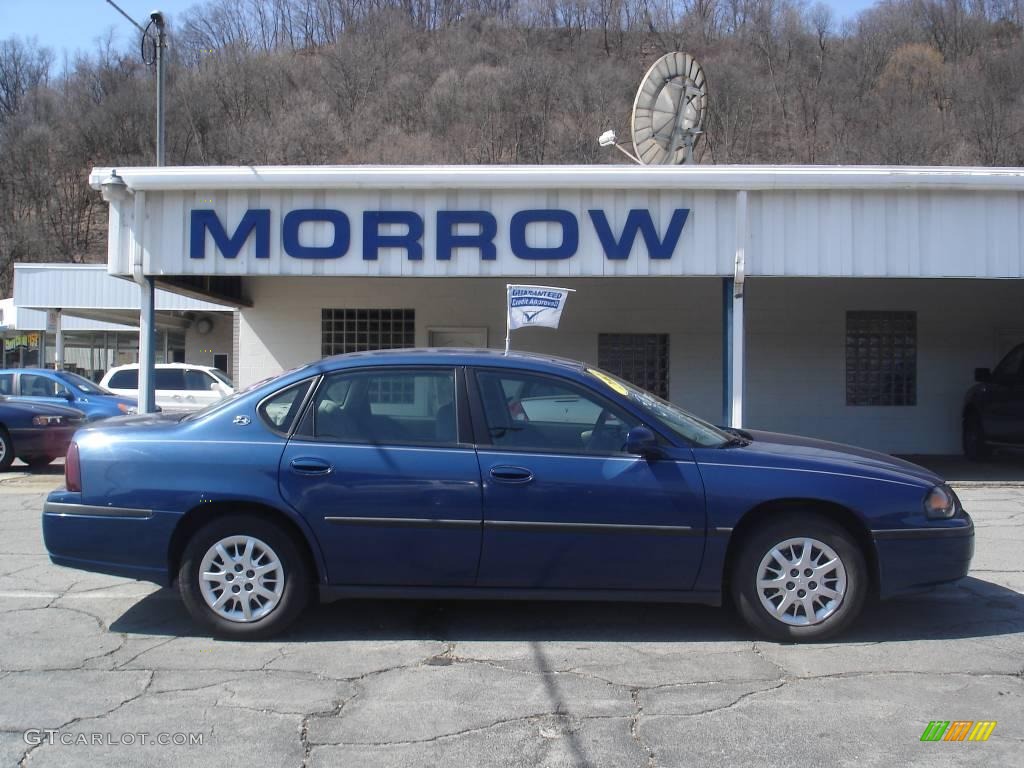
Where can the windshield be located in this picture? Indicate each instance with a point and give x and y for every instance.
(683, 423)
(84, 384)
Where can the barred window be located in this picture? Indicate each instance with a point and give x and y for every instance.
(881, 358)
(639, 358)
(364, 330)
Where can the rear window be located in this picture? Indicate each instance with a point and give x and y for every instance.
(6, 383)
(128, 379)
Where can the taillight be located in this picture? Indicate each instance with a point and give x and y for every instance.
(72, 469)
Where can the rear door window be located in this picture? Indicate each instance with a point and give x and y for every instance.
(6, 383)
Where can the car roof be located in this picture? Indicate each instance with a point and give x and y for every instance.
(31, 370)
(454, 356)
(130, 366)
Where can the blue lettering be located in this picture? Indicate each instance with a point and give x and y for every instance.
(570, 234)
(448, 240)
(639, 220)
(373, 241)
(295, 219)
(206, 220)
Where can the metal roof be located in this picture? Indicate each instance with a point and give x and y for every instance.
(91, 287)
(531, 177)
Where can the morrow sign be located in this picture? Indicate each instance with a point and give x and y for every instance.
(378, 232)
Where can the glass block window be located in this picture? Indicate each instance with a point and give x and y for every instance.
(364, 330)
(639, 358)
(881, 358)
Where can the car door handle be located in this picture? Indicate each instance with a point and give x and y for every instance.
(506, 474)
(309, 466)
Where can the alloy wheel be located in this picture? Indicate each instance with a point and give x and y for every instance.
(241, 578)
(801, 581)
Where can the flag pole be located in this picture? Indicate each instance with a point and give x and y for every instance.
(508, 318)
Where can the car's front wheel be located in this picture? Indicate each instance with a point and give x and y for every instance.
(244, 577)
(975, 447)
(6, 449)
(799, 577)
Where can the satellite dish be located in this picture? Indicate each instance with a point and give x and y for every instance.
(669, 110)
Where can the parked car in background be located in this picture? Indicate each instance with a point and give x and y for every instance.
(469, 473)
(179, 386)
(42, 385)
(36, 433)
(993, 414)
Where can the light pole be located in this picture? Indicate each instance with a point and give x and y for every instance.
(147, 290)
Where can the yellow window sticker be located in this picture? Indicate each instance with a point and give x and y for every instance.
(612, 383)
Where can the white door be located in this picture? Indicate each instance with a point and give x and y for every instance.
(475, 338)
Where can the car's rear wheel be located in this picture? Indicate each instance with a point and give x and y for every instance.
(975, 447)
(244, 577)
(800, 577)
(6, 449)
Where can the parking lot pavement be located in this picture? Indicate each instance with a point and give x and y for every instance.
(101, 659)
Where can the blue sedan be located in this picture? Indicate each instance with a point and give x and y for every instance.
(472, 474)
(42, 385)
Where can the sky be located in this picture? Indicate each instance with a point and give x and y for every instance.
(70, 25)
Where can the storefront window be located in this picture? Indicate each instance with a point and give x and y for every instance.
(639, 358)
(881, 358)
(365, 330)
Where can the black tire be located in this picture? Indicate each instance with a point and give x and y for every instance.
(7, 449)
(975, 447)
(294, 595)
(768, 535)
(37, 462)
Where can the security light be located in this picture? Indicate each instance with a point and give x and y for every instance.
(113, 188)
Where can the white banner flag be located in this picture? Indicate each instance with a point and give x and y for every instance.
(535, 305)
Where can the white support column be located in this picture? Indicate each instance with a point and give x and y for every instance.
(147, 347)
(733, 347)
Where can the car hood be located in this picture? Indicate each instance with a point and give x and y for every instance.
(838, 455)
(131, 402)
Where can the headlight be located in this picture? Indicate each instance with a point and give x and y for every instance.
(49, 421)
(130, 410)
(940, 503)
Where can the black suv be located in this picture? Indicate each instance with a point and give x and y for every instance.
(994, 407)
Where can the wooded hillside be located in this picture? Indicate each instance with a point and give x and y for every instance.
(499, 81)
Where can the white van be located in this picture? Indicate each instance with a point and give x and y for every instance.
(179, 386)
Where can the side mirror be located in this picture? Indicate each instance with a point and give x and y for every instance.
(215, 387)
(983, 375)
(642, 441)
(69, 395)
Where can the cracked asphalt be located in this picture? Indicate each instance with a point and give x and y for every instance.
(374, 683)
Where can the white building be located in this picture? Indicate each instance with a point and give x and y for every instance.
(850, 303)
(98, 316)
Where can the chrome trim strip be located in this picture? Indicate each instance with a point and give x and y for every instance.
(90, 510)
(537, 525)
(811, 471)
(403, 522)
